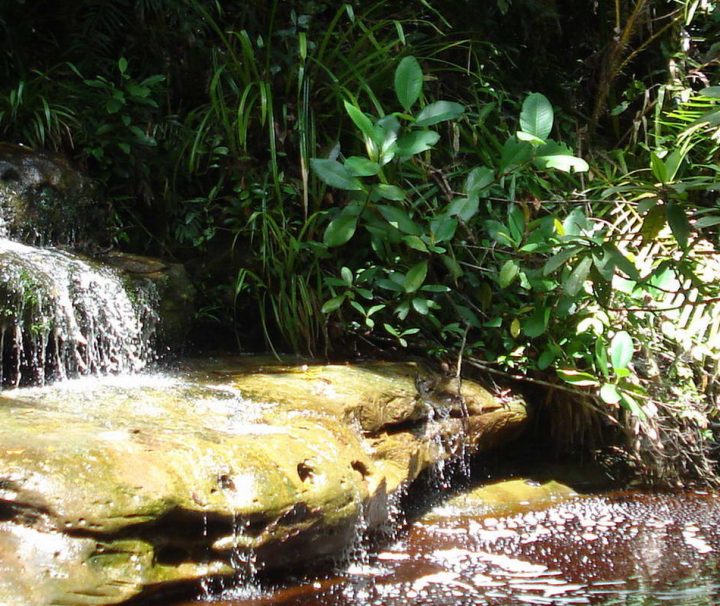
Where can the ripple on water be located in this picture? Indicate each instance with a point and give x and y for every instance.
(621, 548)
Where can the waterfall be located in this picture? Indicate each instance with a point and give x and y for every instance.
(62, 314)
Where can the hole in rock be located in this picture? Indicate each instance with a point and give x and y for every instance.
(172, 555)
(305, 471)
(361, 468)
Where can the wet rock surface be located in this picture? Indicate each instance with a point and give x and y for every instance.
(44, 200)
(116, 488)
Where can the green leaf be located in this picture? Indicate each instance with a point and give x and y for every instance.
(536, 324)
(358, 166)
(464, 208)
(609, 394)
(122, 65)
(708, 221)
(416, 276)
(621, 350)
(367, 128)
(559, 156)
(536, 117)
(443, 228)
(335, 174)
(416, 142)
(653, 223)
(415, 243)
(577, 378)
(440, 111)
(658, 168)
(601, 359)
(546, 358)
(516, 223)
(408, 82)
(389, 192)
(398, 218)
(629, 403)
(532, 139)
(578, 276)
(679, 224)
(333, 304)
(508, 273)
(558, 260)
(341, 228)
(421, 306)
(347, 275)
(479, 179)
(499, 233)
(514, 153)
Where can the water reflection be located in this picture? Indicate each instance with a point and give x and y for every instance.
(619, 548)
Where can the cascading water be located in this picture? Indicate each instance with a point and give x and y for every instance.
(63, 315)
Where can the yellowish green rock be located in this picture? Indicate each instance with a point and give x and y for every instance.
(115, 488)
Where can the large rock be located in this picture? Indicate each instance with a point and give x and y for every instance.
(44, 200)
(112, 489)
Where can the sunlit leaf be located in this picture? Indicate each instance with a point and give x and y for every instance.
(536, 117)
(335, 174)
(621, 350)
(440, 111)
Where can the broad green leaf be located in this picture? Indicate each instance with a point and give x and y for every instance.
(443, 228)
(577, 378)
(515, 328)
(679, 224)
(335, 174)
(389, 285)
(347, 275)
(415, 243)
(659, 170)
(341, 228)
(653, 223)
(514, 153)
(559, 156)
(479, 179)
(708, 221)
(361, 167)
(532, 139)
(398, 218)
(421, 306)
(629, 403)
(508, 272)
(516, 223)
(499, 233)
(609, 394)
(390, 192)
(621, 350)
(622, 262)
(558, 260)
(673, 162)
(575, 223)
(536, 117)
(464, 208)
(415, 276)
(362, 121)
(536, 324)
(577, 278)
(546, 358)
(710, 91)
(333, 304)
(416, 142)
(408, 82)
(440, 111)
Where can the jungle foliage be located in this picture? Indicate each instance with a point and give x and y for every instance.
(527, 188)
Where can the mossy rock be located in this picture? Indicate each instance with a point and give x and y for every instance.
(118, 488)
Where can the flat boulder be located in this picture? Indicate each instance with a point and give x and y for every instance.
(112, 489)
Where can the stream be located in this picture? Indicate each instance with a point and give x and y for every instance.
(622, 547)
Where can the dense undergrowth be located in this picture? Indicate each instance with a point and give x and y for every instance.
(523, 189)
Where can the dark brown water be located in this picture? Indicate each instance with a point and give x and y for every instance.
(618, 548)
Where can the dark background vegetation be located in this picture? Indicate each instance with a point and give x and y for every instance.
(198, 121)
